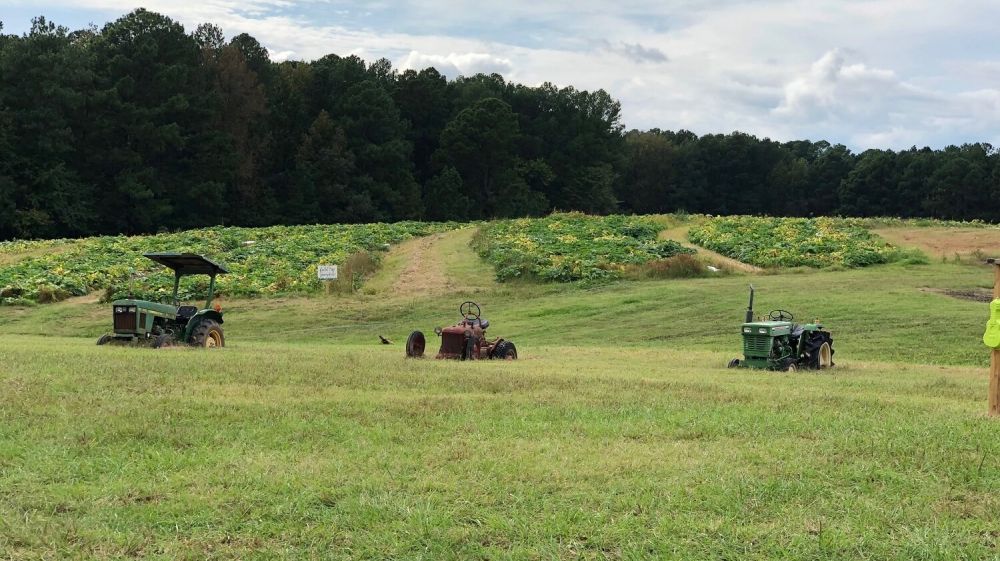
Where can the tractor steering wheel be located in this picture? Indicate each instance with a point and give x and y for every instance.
(470, 311)
(780, 315)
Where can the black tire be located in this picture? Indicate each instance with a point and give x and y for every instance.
(104, 339)
(505, 350)
(208, 334)
(469, 351)
(163, 340)
(815, 352)
(415, 345)
(733, 363)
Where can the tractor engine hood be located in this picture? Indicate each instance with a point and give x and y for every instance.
(773, 328)
(165, 309)
(777, 328)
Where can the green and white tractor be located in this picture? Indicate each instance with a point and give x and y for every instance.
(777, 343)
(162, 325)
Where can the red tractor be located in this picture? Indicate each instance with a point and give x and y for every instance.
(466, 340)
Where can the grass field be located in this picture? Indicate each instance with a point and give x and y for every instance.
(618, 435)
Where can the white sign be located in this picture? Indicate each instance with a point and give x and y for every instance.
(326, 272)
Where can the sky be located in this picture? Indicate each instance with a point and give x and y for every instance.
(868, 74)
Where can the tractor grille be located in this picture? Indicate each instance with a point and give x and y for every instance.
(124, 319)
(452, 343)
(756, 345)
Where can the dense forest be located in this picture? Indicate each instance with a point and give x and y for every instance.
(142, 126)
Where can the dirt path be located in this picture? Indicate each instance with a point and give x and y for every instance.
(439, 263)
(679, 234)
(90, 298)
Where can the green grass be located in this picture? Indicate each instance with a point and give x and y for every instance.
(618, 435)
(322, 450)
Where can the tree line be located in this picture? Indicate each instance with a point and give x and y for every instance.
(141, 126)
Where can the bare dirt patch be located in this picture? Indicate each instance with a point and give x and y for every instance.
(89, 298)
(974, 294)
(946, 242)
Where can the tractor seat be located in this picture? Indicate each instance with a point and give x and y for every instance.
(797, 330)
(186, 311)
(481, 322)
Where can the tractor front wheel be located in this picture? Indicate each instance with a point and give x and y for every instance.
(104, 340)
(163, 340)
(733, 363)
(415, 345)
(208, 334)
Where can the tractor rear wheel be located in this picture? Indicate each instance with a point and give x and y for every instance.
(820, 350)
(825, 357)
(415, 345)
(505, 350)
(208, 334)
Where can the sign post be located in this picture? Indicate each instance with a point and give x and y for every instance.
(326, 273)
(992, 339)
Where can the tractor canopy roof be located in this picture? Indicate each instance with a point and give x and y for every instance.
(188, 263)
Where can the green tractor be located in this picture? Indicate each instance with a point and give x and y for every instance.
(162, 325)
(779, 344)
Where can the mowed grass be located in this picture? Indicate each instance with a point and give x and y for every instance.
(617, 435)
(314, 450)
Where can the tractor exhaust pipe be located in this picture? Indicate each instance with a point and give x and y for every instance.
(750, 307)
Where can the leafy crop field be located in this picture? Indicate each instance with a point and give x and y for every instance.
(278, 259)
(572, 246)
(561, 247)
(794, 242)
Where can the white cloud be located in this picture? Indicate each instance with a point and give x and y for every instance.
(832, 87)
(281, 56)
(454, 65)
(873, 107)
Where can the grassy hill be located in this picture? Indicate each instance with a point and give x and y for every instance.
(619, 434)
